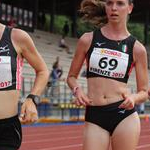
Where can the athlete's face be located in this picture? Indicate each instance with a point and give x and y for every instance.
(118, 10)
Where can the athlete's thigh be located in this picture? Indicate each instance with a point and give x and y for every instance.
(126, 134)
(95, 138)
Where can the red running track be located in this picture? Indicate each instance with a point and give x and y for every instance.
(67, 137)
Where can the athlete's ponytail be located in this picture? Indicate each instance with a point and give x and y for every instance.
(93, 11)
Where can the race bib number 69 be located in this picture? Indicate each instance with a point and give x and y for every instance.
(107, 62)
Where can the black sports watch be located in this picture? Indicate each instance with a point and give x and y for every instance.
(35, 98)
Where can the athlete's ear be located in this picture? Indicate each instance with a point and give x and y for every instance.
(130, 8)
(149, 94)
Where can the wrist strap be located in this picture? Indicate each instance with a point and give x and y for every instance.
(74, 91)
(32, 96)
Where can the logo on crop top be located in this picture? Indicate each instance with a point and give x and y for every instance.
(110, 52)
(100, 44)
(122, 111)
(124, 48)
(4, 49)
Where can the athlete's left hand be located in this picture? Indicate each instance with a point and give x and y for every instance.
(128, 102)
(29, 112)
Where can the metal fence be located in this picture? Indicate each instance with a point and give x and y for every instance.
(56, 102)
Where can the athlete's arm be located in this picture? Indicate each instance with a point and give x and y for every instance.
(141, 70)
(77, 62)
(28, 51)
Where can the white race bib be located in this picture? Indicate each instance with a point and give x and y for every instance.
(5, 72)
(108, 62)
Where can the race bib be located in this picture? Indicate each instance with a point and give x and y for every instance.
(108, 62)
(5, 72)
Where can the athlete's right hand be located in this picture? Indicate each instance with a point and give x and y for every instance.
(28, 113)
(81, 98)
(128, 102)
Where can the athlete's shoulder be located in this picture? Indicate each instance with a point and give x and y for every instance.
(139, 49)
(86, 37)
(21, 39)
(19, 34)
(85, 40)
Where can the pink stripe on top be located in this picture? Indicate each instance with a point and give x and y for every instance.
(19, 72)
(130, 70)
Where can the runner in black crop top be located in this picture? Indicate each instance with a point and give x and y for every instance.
(110, 59)
(16, 45)
(110, 52)
(10, 63)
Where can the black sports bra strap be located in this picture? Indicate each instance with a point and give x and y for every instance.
(7, 33)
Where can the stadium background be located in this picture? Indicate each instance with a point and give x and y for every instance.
(26, 14)
(50, 133)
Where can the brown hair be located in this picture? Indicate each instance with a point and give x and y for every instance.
(131, 1)
(93, 11)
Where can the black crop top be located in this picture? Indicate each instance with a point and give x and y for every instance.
(10, 63)
(109, 58)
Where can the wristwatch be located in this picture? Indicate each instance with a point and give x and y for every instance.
(35, 98)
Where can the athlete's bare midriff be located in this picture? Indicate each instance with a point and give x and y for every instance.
(106, 91)
(8, 103)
